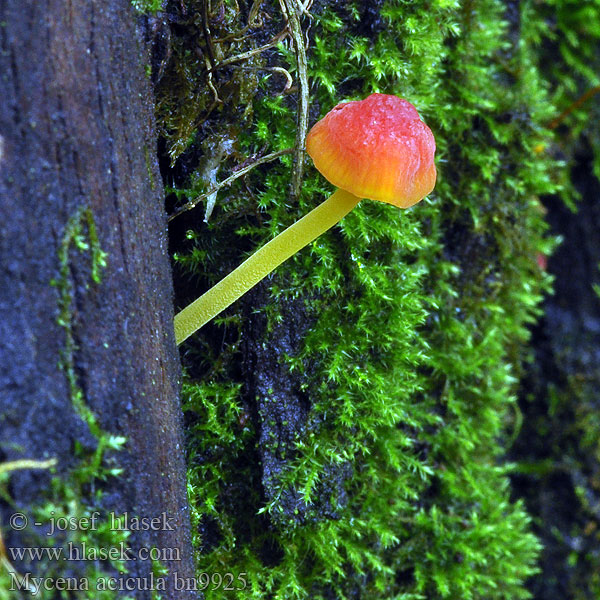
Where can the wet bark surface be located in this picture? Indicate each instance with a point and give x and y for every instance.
(76, 127)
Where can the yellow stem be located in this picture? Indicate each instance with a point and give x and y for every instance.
(262, 262)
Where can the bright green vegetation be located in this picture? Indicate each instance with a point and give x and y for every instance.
(81, 236)
(348, 420)
(147, 6)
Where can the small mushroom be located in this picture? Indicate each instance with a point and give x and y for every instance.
(377, 148)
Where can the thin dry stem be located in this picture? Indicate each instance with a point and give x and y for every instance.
(260, 161)
(292, 10)
(245, 55)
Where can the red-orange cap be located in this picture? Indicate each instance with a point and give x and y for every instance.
(375, 148)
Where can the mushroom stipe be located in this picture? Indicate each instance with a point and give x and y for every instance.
(262, 262)
(377, 148)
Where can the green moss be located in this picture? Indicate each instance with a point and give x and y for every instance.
(568, 32)
(80, 235)
(147, 6)
(149, 169)
(360, 452)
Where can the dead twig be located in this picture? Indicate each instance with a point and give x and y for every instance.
(292, 9)
(289, 81)
(207, 34)
(245, 55)
(581, 100)
(255, 20)
(260, 161)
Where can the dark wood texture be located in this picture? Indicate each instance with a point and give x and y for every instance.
(76, 127)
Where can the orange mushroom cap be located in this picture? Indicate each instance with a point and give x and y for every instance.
(376, 148)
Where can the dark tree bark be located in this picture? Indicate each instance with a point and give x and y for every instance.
(77, 152)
